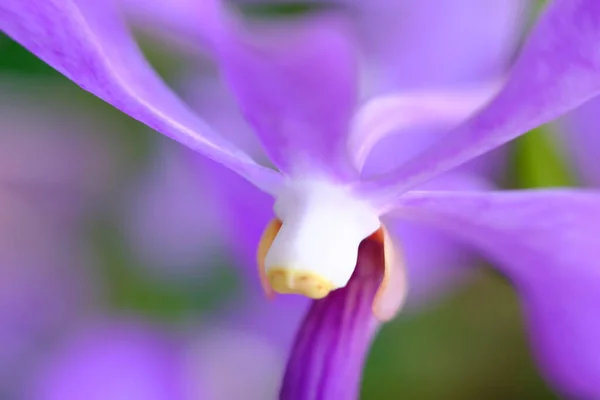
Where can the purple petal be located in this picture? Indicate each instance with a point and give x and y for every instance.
(432, 274)
(218, 106)
(86, 41)
(394, 114)
(546, 243)
(558, 70)
(472, 40)
(300, 112)
(328, 356)
(580, 136)
(176, 21)
(115, 362)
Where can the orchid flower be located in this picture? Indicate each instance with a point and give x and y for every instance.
(170, 192)
(327, 240)
(182, 214)
(179, 214)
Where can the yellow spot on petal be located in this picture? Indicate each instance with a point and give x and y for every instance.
(289, 281)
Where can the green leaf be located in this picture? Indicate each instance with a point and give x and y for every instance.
(539, 162)
(281, 10)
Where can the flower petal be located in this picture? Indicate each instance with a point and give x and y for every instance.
(472, 40)
(176, 20)
(217, 105)
(546, 243)
(394, 113)
(296, 84)
(580, 136)
(558, 70)
(327, 358)
(432, 274)
(86, 41)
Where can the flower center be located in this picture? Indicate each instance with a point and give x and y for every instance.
(312, 246)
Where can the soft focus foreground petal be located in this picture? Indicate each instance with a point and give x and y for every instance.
(394, 113)
(295, 83)
(580, 136)
(86, 41)
(327, 358)
(115, 362)
(472, 40)
(546, 243)
(558, 70)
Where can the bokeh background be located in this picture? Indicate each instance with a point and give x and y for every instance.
(104, 242)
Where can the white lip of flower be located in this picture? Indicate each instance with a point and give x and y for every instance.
(312, 246)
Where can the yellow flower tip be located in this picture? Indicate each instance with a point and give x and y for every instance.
(289, 281)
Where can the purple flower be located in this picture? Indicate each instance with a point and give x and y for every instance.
(171, 227)
(327, 240)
